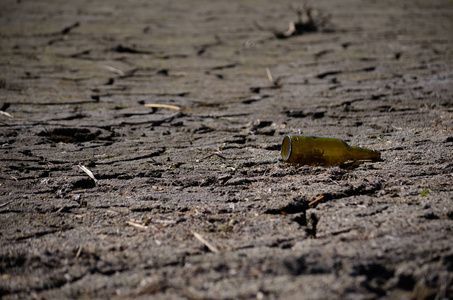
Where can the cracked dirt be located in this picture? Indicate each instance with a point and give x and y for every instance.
(172, 217)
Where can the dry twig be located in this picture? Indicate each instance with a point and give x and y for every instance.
(79, 251)
(155, 105)
(205, 242)
(319, 198)
(136, 225)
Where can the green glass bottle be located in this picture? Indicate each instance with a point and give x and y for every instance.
(312, 150)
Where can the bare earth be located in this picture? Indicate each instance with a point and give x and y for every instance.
(171, 217)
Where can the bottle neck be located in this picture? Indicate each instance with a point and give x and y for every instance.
(365, 154)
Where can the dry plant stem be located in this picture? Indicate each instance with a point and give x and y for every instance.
(205, 242)
(114, 70)
(136, 225)
(79, 252)
(5, 204)
(269, 75)
(319, 198)
(4, 113)
(155, 105)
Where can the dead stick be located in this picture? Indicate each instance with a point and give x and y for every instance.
(206, 243)
(320, 197)
(136, 225)
(155, 105)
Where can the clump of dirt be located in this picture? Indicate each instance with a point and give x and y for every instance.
(308, 20)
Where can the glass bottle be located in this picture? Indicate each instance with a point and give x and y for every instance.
(312, 150)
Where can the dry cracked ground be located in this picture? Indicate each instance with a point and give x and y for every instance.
(172, 213)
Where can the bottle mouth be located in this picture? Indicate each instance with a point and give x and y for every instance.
(286, 147)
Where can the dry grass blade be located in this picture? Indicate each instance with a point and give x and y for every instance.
(114, 70)
(5, 204)
(155, 105)
(79, 251)
(88, 172)
(206, 243)
(269, 75)
(319, 198)
(136, 225)
(4, 113)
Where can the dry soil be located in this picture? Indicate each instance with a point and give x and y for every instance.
(174, 215)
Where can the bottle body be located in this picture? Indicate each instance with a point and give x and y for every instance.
(311, 150)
